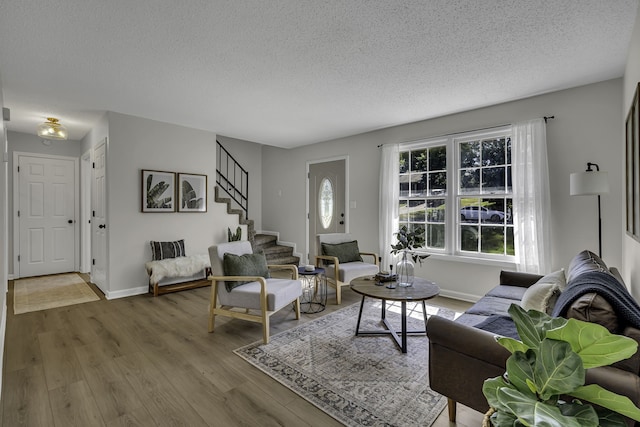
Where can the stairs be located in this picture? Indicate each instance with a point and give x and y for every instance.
(275, 254)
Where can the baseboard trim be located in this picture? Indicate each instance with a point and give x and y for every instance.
(127, 292)
(459, 295)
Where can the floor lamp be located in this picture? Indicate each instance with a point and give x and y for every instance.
(591, 183)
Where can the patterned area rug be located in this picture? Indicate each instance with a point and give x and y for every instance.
(41, 293)
(362, 380)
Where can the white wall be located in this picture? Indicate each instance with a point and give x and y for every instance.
(23, 142)
(631, 247)
(586, 128)
(135, 144)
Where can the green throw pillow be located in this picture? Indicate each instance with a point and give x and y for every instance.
(345, 252)
(244, 265)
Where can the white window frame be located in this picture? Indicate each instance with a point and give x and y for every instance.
(452, 248)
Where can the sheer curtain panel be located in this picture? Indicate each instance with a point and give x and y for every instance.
(531, 199)
(389, 195)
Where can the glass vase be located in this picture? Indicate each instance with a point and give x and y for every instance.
(405, 271)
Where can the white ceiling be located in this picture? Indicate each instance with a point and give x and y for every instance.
(295, 72)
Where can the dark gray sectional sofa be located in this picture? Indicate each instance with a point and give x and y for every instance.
(462, 355)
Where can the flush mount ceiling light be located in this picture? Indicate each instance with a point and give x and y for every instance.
(51, 129)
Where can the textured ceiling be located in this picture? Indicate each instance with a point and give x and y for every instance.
(294, 72)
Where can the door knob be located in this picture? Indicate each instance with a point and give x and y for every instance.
(102, 226)
(70, 221)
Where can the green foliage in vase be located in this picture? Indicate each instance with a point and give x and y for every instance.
(549, 364)
(234, 237)
(154, 194)
(190, 199)
(408, 241)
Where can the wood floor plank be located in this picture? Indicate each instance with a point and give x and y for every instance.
(25, 399)
(165, 404)
(61, 366)
(138, 418)
(73, 405)
(113, 394)
(21, 338)
(145, 361)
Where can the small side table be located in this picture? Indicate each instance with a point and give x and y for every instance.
(314, 290)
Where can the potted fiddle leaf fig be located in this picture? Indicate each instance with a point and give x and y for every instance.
(548, 365)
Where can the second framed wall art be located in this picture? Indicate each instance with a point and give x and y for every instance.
(192, 192)
(164, 191)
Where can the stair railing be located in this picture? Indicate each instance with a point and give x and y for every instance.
(232, 178)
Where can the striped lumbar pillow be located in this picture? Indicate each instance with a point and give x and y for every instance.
(162, 250)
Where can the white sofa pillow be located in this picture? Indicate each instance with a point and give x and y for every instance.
(542, 295)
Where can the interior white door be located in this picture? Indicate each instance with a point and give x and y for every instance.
(99, 218)
(46, 215)
(326, 200)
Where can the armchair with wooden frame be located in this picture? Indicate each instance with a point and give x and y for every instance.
(342, 260)
(255, 300)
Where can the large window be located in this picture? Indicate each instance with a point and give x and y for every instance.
(459, 190)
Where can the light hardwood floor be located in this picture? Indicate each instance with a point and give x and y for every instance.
(145, 361)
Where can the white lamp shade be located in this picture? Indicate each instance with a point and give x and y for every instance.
(588, 183)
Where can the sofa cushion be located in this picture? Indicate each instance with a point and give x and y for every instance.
(506, 291)
(543, 294)
(487, 306)
(594, 308)
(585, 261)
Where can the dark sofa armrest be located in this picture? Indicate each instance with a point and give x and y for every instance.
(461, 357)
(466, 340)
(517, 278)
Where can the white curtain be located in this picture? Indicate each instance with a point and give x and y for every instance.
(389, 195)
(531, 199)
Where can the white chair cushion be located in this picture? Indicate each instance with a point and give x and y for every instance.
(280, 292)
(350, 270)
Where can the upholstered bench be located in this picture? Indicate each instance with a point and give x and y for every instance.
(171, 270)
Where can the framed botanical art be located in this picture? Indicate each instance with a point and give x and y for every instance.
(158, 191)
(192, 192)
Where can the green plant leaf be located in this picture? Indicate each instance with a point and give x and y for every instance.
(502, 418)
(490, 389)
(594, 343)
(532, 325)
(557, 370)
(610, 419)
(600, 396)
(512, 345)
(532, 412)
(585, 413)
(520, 370)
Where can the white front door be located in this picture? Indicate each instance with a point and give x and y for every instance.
(99, 218)
(326, 200)
(46, 214)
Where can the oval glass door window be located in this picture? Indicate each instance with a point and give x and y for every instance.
(325, 202)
